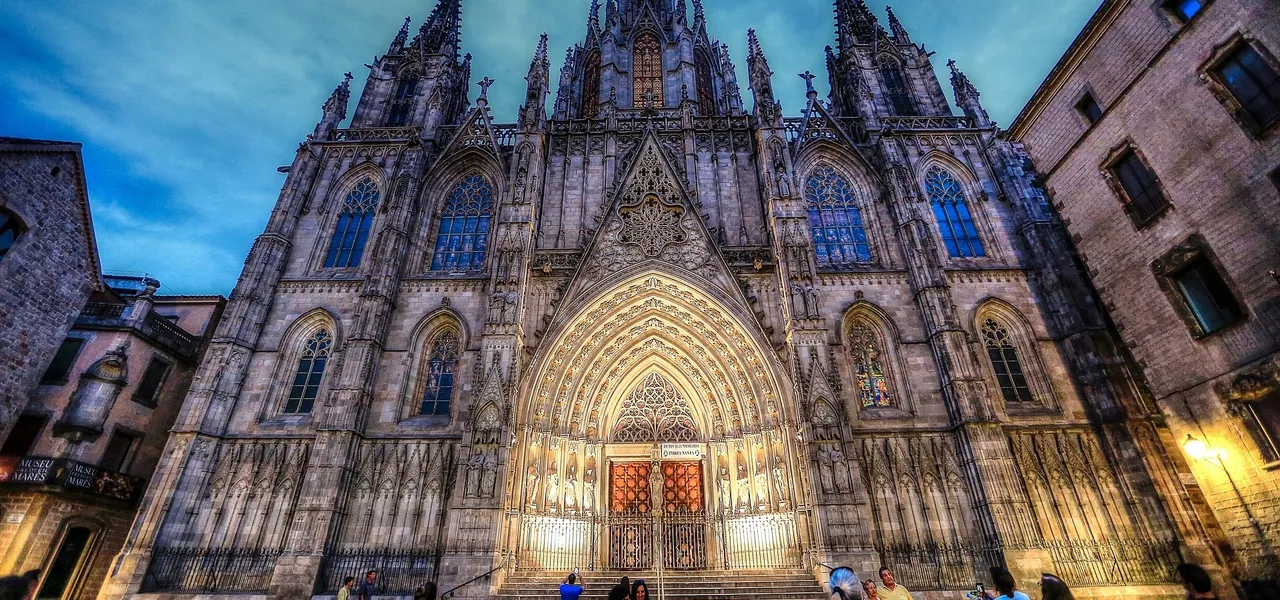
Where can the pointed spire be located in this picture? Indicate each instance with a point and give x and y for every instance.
(855, 24)
(900, 34)
(967, 96)
(682, 11)
(761, 79)
(594, 19)
(335, 109)
(534, 111)
(732, 91)
(398, 43)
(565, 90)
(442, 32)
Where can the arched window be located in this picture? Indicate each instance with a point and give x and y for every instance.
(354, 223)
(949, 207)
(437, 388)
(464, 227)
(1005, 363)
(10, 230)
(402, 102)
(839, 237)
(895, 86)
(591, 86)
(646, 67)
(869, 365)
(706, 91)
(310, 371)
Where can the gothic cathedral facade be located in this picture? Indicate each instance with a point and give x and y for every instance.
(647, 329)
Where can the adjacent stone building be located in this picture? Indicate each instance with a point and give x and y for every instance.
(48, 261)
(644, 330)
(75, 462)
(1158, 138)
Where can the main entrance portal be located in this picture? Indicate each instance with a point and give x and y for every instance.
(677, 526)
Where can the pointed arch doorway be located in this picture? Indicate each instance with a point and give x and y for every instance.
(653, 435)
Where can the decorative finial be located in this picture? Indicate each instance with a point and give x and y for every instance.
(952, 63)
(808, 82)
(484, 87)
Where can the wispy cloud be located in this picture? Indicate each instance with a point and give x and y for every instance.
(186, 108)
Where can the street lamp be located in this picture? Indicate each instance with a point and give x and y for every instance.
(1198, 449)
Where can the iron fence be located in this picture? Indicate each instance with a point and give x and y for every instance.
(1114, 562)
(938, 566)
(210, 570)
(557, 543)
(400, 570)
(767, 541)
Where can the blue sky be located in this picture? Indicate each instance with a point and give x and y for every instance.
(186, 107)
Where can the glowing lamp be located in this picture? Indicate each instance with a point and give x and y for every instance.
(1198, 449)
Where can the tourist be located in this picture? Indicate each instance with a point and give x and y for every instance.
(1004, 582)
(571, 588)
(639, 590)
(869, 591)
(344, 592)
(426, 592)
(890, 590)
(1052, 588)
(1196, 581)
(15, 587)
(367, 588)
(34, 577)
(622, 591)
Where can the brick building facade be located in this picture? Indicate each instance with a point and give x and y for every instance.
(75, 463)
(1158, 138)
(46, 244)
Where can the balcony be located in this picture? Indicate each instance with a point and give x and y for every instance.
(70, 474)
(101, 315)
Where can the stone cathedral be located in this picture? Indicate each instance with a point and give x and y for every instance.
(646, 329)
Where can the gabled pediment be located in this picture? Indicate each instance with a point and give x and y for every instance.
(476, 133)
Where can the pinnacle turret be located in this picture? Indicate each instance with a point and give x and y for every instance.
(398, 43)
(967, 96)
(442, 32)
(900, 34)
(335, 109)
(533, 113)
(855, 24)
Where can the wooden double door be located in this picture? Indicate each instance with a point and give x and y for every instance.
(673, 528)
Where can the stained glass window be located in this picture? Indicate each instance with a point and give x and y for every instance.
(839, 237)
(646, 65)
(402, 102)
(464, 227)
(306, 379)
(354, 223)
(868, 366)
(895, 86)
(437, 390)
(952, 211)
(706, 91)
(1004, 361)
(591, 86)
(1254, 83)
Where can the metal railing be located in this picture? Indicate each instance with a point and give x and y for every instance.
(210, 570)
(557, 543)
(937, 566)
(684, 541)
(1114, 562)
(767, 541)
(453, 590)
(400, 570)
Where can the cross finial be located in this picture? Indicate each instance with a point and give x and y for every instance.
(808, 80)
(346, 77)
(484, 87)
(952, 63)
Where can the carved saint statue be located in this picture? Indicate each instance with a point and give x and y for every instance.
(531, 485)
(571, 485)
(841, 471)
(489, 477)
(825, 473)
(589, 487)
(553, 487)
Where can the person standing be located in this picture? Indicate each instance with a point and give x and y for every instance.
(572, 586)
(1196, 581)
(1052, 588)
(344, 592)
(869, 591)
(1004, 583)
(622, 591)
(367, 587)
(889, 589)
(639, 590)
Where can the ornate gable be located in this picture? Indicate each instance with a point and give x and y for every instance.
(476, 132)
(817, 126)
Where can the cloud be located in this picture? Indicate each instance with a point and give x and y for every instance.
(187, 108)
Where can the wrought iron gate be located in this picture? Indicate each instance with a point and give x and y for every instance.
(684, 518)
(630, 516)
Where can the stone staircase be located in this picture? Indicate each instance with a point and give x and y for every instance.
(788, 584)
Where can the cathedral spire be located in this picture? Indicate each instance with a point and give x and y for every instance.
(732, 91)
(534, 111)
(593, 20)
(900, 34)
(442, 33)
(967, 96)
(855, 24)
(397, 44)
(565, 91)
(760, 77)
(335, 109)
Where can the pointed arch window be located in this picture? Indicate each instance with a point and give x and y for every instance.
(591, 86)
(309, 374)
(646, 67)
(1005, 363)
(869, 366)
(839, 236)
(655, 411)
(464, 227)
(706, 91)
(354, 223)
(895, 87)
(402, 102)
(952, 211)
(437, 388)
(10, 230)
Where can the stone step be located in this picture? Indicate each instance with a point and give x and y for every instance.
(789, 584)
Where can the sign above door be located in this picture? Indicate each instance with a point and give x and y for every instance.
(682, 450)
